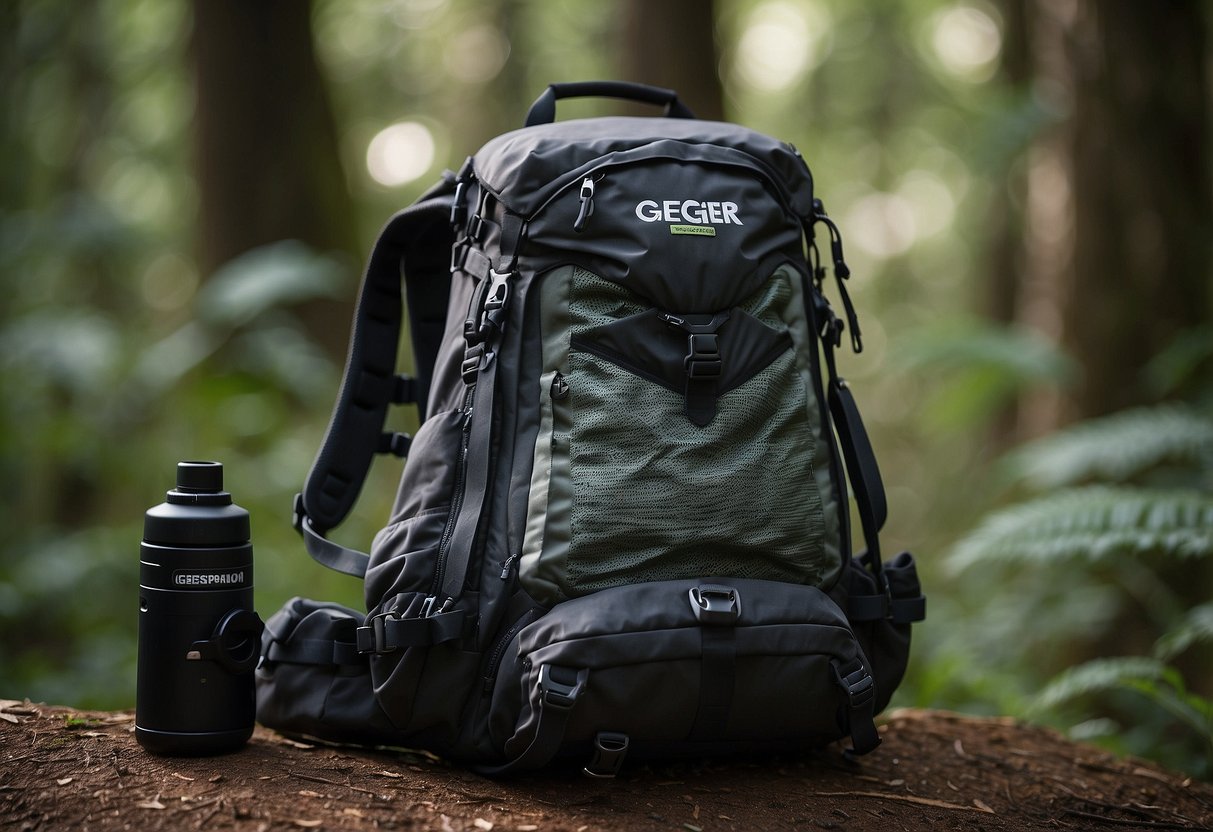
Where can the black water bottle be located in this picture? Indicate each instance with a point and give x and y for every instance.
(199, 638)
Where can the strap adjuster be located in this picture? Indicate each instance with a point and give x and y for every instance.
(560, 695)
(373, 637)
(859, 685)
(610, 749)
(703, 357)
(470, 367)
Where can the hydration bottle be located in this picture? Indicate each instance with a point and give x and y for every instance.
(199, 638)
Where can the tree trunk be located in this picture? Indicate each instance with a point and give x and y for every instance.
(1139, 162)
(266, 142)
(1006, 252)
(672, 43)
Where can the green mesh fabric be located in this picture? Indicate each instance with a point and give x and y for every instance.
(657, 497)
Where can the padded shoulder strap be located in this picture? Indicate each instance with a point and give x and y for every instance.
(416, 245)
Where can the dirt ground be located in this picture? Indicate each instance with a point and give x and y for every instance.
(65, 769)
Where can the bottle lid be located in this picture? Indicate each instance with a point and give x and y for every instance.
(200, 477)
(198, 512)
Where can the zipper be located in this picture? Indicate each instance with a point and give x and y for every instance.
(508, 567)
(598, 171)
(490, 673)
(587, 204)
(448, 531)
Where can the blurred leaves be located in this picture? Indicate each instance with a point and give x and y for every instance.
(279, 274)
(1172, 443)
(1091, 524)
(1195, 629)
(1125, 504)
(978, 368)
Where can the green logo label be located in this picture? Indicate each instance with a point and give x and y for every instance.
(694, 230)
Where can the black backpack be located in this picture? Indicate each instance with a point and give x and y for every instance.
(623, 528)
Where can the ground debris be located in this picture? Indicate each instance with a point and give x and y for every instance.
(934, 771)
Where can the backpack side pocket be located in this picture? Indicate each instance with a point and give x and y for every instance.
(885, 638)
(311, 680)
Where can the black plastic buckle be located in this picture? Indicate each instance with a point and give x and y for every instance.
(499, 291)
(610, 749)
(459, 256)
(470, 367)
(703, 359)
(559, 695)
(858, 683)
(475, 227)
(716, 605)
(373, 637)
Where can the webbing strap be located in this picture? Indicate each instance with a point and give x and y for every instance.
(861, 467)
(315, 651)
(559, 690)
(860, 690)
(717, 679)
(415, 244)
(482, 373)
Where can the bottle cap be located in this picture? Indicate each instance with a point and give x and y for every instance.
(197, 477)
(198, 512)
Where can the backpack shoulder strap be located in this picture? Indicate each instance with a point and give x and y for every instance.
(416, 245)
(861, 469)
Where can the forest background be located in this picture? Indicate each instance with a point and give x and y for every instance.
(1025, 191)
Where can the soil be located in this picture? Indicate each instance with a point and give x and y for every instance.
(66, 769)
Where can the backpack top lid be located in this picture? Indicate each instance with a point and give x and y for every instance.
(527, 167)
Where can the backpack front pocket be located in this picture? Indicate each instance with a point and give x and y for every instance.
(718, 664)
(664, 452)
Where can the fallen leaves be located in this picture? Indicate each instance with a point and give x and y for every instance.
(11, 709)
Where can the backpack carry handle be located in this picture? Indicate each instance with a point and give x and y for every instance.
(543, 111)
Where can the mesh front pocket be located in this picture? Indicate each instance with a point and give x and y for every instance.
(627, 488)
(656, 497)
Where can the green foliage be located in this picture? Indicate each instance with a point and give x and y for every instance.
(984, 368)
(1196, 628)
(1110, 515)
(1092, 524)
(1157, 682)
(1125, 447)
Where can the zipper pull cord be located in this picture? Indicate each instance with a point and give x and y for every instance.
(587, 204)
(841, 271)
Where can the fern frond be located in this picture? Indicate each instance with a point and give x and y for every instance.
(1195, 628)
(1117, 449)
(1097, 676)
(1158, 682)
(1092, 524)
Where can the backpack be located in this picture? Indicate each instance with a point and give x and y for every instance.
(623, 528)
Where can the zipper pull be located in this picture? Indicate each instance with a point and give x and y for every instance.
(587, 204)
(508, 567)
(560, 387)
